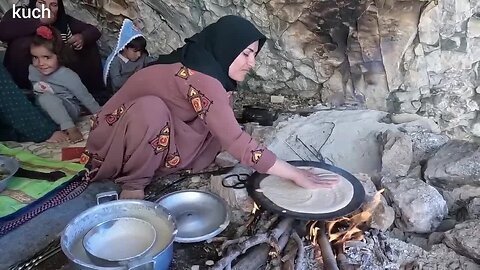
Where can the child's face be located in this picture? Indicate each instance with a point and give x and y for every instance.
(132, 54)
(44, 60)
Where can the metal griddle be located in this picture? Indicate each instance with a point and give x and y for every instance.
(253, 183)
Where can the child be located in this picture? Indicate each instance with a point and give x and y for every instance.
(58, 90)
(129, 56)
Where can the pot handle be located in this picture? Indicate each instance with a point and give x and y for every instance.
(148, 265)
(104, 196)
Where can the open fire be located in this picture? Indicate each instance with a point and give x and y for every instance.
(339, 232)
(279, 242)
(346, 229)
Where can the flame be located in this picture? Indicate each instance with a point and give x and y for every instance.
(313, 232)
(255, 208)
(346, 229)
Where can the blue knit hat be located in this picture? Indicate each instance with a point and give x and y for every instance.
(128, 32)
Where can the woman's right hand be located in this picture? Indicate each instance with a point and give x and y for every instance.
(305, 178)
(310, 180)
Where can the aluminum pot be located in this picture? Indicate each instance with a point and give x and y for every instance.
(158, 257)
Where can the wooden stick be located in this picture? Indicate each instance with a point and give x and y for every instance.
(255, 258)
(228, 243)
(329, 261)
(290, 254)
(270, 238)
(288, 265)
(242, 229)
(268, 224)
(217, 239)
(282, 242)
(300, 253)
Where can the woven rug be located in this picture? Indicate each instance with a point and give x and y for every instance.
(56, 151)
(25, 197)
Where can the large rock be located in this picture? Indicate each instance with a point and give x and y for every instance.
(464, 239)
(383, 215)
(420, 207)
(423, 133)
(346, 138)
(425, 144)
(473, 208)
(440, 257)
(397, 153)
(457, 163)
(401, 56)
(460, 197)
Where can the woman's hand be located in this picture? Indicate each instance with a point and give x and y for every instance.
(301, 177)
(310, 180)
(132, 194)
(76, 41)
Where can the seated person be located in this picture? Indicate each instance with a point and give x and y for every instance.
(22, 121)
(58, 90)
(80, 36)
(129, 56)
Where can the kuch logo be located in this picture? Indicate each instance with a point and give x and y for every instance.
(31, 13)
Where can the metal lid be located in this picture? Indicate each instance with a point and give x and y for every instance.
(199, 215)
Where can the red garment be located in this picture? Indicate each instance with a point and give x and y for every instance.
(166, 118)
(18, 34)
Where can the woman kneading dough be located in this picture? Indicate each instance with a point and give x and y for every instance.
(176, 115)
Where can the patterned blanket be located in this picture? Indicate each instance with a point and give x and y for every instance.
(56, 151)
(25, 190)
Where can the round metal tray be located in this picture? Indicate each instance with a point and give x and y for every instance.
(253, 185)
(199, 215)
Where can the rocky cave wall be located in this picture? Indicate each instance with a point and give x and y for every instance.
(399, 56)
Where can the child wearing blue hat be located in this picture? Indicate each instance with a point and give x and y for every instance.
(130, 55)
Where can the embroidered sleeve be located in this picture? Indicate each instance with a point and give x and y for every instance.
(212, 104)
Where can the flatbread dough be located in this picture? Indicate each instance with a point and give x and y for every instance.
(286, 194)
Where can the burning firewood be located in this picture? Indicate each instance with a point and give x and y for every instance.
(326, 241)
(271, 238)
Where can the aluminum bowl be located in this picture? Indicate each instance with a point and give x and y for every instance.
(9, 165)
(199, 215)
(120, 239)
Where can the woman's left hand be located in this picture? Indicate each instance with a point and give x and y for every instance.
(76, 41)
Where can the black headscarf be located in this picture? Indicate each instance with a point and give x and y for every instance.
(213, 50)
(61, 24)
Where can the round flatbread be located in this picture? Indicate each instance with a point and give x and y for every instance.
(286, 194)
